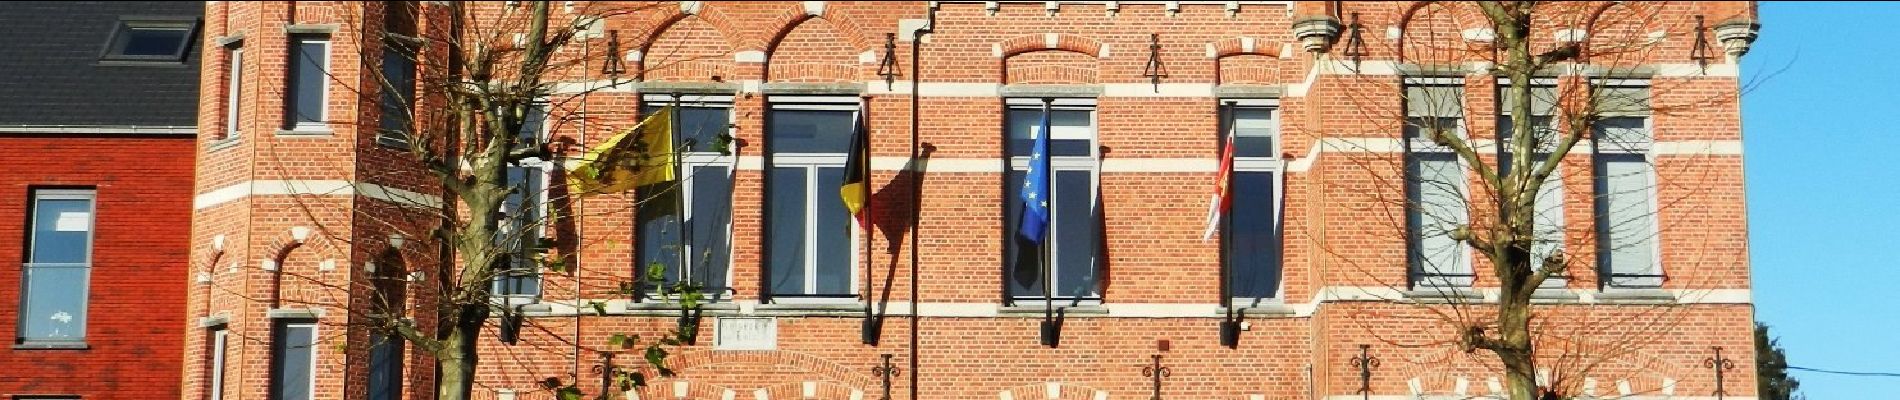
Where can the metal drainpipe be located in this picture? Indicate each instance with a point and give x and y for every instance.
(916, 187)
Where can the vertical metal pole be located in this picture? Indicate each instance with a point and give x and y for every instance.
(1049, 281)
(679, 189)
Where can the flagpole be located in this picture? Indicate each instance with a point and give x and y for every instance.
(1226, 216)
(1048, 284)
(867, 332)
(679, 182)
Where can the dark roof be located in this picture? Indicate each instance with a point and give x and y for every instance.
(50, 72)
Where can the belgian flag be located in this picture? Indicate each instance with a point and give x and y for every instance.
(856, 188)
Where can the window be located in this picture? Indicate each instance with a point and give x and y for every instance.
(219, 343)
(525, 215)
(706, 190)
(1627, 251)
(1435, 183)
(293, 360)
(810, 236)
(1548, 215)
(306, 107)
(1250, 230)
(151, 39)
(1074, 232)
(385, 367)
(399, 70)
(233, 91)
(58, 268)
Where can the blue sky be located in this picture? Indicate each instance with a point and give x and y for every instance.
(1823, 178)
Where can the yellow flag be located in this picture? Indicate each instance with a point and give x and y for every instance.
(625, 161)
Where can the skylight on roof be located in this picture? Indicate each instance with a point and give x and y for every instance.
(151, 39)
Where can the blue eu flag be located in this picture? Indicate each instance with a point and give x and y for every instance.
(1035, 194)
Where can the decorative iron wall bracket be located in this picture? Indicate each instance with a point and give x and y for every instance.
(1154, 70)
(1155, 373)
(1721, 365)
(885, 373)
(887, 67)
(611, 64)
(1365, 362)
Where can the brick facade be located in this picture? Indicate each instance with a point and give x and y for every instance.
(135, 305)
(944, 319)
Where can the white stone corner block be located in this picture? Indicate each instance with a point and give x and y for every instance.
(1101, 395)
(267, 265)
(1103, 53)
(1393, 33)
(857, 394)
(761, 394)
(1211, 52)
(996, 50)
(679, 389)
(691, 7)
(728, 395)
(1005, 395)
(1461, 387)
(635, 56)
(1052, 390)
(1480, 35)
(810, 389)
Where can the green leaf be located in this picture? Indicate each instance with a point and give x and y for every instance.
(618, 339)
(600, 309)
(556, 265)
(656, 356)
(723, 144)
(656, 272)
(569, 393)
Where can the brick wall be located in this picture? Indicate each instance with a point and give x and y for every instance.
(136, 292)
(1344, 257)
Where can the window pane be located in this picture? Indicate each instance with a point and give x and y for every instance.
(55, 304)
(62, 231)
(1021, 258)
(1629, 220)
(834, 239)
(1073, 131)
(219, 343)
(153, 41)
(1253, 132)
(233, 91)
(1438, 207)
(1417, 127)
(307, 78)
(533, 123)
(1548, 228)
(785, 237)
(1434, 101)
(809, 131)
(1622, 100)
(1075, 234)
(1622, 134)
(294, 351)
(1252, 237)
(659, 236)
(712, 215)
(397, 68)
(1543, 100)
(385, 367)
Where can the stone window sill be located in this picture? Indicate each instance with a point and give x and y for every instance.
(52, 346)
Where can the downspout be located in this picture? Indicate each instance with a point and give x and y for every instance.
(917, 187)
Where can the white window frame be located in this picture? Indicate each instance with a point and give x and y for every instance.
(85, 291)
(1554, 182)
(233, 91)
(220, 337)
(1273, 164)
(811, 162)
(1419, 277)
(323, 91)
(1647, 150)
(700, 159)
(315, 354)
(1091, 163)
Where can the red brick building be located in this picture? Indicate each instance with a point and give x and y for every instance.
(96, 125)
(1319, 266)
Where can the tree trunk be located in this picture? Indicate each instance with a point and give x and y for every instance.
(1520, 369)
(457, 361)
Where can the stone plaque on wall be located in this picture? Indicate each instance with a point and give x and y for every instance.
(745, 333)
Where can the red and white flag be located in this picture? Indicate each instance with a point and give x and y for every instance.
(1222, 193)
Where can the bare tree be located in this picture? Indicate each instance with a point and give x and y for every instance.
(1456, 194)
(471, 96)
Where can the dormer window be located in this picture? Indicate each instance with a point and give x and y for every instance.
(151, 39)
